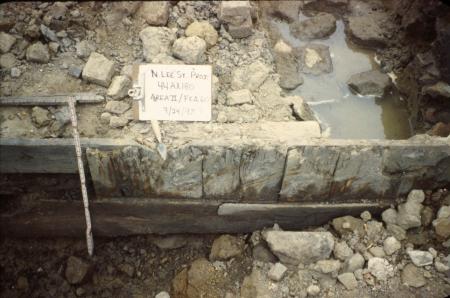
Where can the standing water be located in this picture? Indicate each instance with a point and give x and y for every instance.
(343, 114)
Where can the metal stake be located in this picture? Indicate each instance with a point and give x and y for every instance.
(87, 214)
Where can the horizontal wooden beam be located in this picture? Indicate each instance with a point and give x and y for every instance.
(132, 216)
(50, 100)
(47, 155)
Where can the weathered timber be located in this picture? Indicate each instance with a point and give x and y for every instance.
(50, 100)
(314, 170)
(131, 216)
(18, 155)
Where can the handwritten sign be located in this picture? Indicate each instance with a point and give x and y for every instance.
(175, 92)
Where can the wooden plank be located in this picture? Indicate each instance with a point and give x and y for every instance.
(47, 155)
(122, 217)
(50, 100)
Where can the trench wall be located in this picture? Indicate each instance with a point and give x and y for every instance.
(226, 184)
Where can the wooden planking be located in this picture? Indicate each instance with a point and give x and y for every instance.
(122, 217)
(47, 155)
(50, 100)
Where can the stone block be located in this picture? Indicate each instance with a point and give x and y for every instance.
(98, 70)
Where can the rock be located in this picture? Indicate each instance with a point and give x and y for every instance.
(443, 212)
(261, 253)
(366, 216)
(440, 129)
(156, 40)
(118, 121)
(441, 267)
(77, 270)
(239, 97)
(366, 31)
(286, 10)
(374, 230)
(155, 12)
(54, 47)
(170, 242)
(349, 224)
(389, 216)
(380, 268)
(190, 49)
(391, 245)
(372, 82)
(7, 61)
(6, 42)
(245, 29)
(38, 53)
(40, 116)
(412, 276)
(300, 247)
(300, 108)
(342, 251)
(314, 59)
(348, 280)
(313, 290)
(250, 76)
(287, 66)
(48, 33)
(32, 31)
(117, 107)
(256, 285)
(408, 215)
(203, 30)
(119, 87)
(319, 26)
(416, 196)
(442, 227)
(22, 283)
(328, 266)
(398, 232)
(180, 283)
(15, 72)
(433, 252)
(98, 70)
(84, 48)
(354, 263)
(440, 89)
(62, 115)
(226, 247)
(236, 15)
(162, 294)
(377, 251)
(75, 71)
(420, 258)
(201, 280)
(426, 216)
(105, 118)
(276, 273)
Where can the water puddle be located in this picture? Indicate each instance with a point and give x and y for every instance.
(343, 114)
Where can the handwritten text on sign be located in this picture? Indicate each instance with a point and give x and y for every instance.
(175, 92)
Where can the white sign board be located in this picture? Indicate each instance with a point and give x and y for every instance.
(175, 92)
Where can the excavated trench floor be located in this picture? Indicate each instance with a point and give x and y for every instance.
(342, 113)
